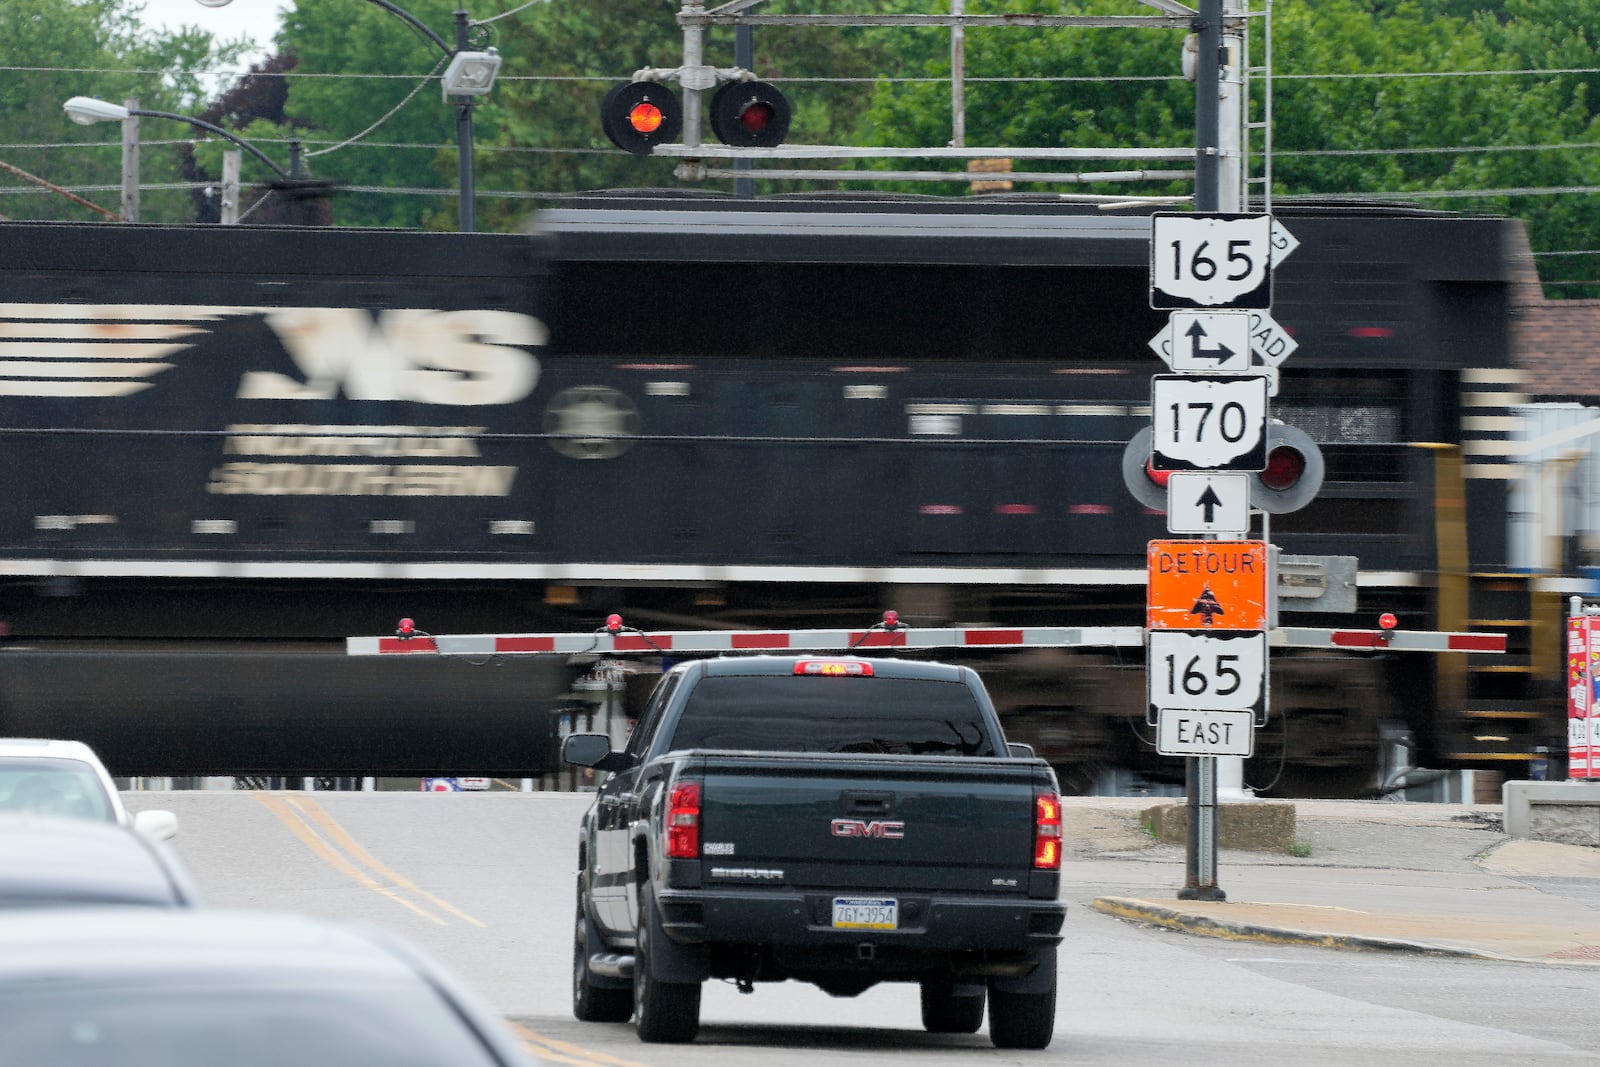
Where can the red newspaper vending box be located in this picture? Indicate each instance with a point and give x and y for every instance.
(1583, 675)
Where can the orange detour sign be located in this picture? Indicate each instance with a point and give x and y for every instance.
(1207, 585)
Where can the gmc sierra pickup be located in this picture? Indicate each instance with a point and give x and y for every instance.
(831, 819)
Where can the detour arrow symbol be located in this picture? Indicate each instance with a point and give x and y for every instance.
(1207, 607)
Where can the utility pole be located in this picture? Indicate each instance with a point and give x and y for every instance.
(1231, 198)
(130, 161)
(958, 77)
(229, 208)
(1230, 117)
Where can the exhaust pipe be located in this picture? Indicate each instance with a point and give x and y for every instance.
(611, 965)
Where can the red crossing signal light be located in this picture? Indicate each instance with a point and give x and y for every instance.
(750, 114)
(637, 116)
(1293, 473)
(1292, 477)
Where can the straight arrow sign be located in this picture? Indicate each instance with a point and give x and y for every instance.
(1208, 503)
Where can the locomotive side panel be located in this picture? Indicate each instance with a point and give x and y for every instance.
(773, 414)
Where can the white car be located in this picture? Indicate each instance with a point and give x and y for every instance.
(52, 861)
(197, 987)
(53, 777)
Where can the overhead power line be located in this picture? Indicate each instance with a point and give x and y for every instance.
(1526, 72)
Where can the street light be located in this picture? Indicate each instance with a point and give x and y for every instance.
(470, 73)
(86, 111)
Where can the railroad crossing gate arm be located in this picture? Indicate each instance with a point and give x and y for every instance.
(611, 640)
(615, 638)
(1386, 640)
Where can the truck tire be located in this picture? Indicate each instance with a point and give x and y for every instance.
(1022, 1020)
(663, 1012)
(592, 1003)
(944, 1012)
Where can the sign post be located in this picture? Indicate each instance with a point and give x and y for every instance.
(1213, 270)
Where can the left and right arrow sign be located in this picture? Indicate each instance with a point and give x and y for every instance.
(1222, 341)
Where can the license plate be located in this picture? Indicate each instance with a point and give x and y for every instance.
(866, 913)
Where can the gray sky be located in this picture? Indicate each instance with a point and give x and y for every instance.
(256, 19)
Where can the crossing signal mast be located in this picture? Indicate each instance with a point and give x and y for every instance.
(647, 116)
(1289, 480)
(640, 115)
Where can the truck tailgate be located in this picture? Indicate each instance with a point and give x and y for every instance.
(931, 823)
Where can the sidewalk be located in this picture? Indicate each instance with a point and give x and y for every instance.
(1435, 878)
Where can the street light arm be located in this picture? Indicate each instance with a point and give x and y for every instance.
(469, 74)
(220, 132)
(416, 23)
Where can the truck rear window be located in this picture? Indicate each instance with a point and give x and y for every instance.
(902, 716)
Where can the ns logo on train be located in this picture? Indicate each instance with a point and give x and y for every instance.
(460, 358)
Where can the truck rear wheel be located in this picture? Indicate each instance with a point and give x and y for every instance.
(1022, 1020)
(945, 1012)
(592, 1003)
(663, 1012)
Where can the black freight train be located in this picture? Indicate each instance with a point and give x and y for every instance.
(232, 447)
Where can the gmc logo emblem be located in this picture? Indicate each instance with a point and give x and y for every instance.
(893, 829)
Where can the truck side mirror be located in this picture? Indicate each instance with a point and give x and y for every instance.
(1019, 750)
(591, 750)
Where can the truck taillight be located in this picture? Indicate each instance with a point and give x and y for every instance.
(834, 668)
(1046, 832)
(683, 822)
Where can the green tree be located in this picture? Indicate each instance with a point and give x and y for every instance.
(1071, 87)
(56, 49)
(562, 58)
(1402, 98)
(365, 95)
(1556, 35)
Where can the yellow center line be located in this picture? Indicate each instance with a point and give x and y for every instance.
(305, 833)
(567, 1052)
(342, 837)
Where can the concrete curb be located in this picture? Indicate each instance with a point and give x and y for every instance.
(1205, 926)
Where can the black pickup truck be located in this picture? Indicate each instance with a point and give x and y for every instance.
(835, 820)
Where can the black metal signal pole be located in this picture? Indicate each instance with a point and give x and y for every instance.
(744, 55)
(1207, 108)
(1200, 777)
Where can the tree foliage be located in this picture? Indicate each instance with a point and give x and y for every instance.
(572, 53)
(57, 49)
(1405, 98)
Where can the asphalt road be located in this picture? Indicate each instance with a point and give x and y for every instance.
(485, 881)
